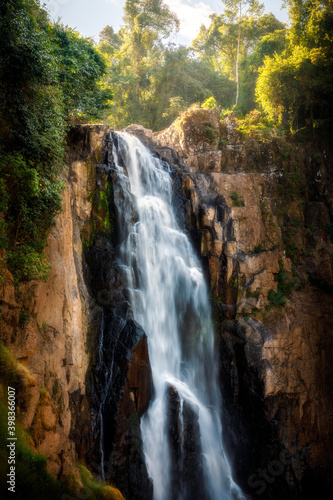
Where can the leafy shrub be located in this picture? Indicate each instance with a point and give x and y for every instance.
(285, 286)
(210, 103)
(211, 133)
(276, 298)
(255, 125)
(80, 70)
(237, 200)
(27, 264)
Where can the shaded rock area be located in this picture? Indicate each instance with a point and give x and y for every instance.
(54, 329)
(128, 469)
(260, 216)
(106, 424)
(187, 478)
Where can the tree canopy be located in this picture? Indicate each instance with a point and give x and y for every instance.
(51, 76)
(48, 75)
(295, 87)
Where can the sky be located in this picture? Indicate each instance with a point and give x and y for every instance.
(89, 17)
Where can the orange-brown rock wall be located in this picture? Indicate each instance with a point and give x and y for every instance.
(51, 343)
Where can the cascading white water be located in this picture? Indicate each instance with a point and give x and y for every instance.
(169, 299)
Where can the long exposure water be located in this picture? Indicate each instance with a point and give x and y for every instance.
(169, 298)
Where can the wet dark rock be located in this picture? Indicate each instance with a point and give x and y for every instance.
(174, 429)
(187, 479)
(193, 469)
(119, 380)
(127, 465)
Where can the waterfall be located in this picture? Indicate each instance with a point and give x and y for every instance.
(169, 298)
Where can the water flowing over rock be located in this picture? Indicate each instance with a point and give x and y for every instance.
(249, 209)
(169, 298)
(86, 349)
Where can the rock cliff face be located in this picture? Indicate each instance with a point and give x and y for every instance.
(261, 217)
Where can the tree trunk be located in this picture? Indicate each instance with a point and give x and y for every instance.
(238, 49)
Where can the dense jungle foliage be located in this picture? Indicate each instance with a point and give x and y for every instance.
(49, 77)
(243, 61)
(274, 77)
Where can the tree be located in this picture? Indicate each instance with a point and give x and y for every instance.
(147, 23)
(81, 68)
(217, 44)
(181, 80)
(295, 88)
(134, 54)
(32, 136)
(242, 11)
(46, 74)
(267, 46)
(221, 46)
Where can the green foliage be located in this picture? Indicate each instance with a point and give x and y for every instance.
(30, 101)
(167, 82)
(133, 55)
(32, 479)
(231, 39)
(152, 83)
(8, 366)
(47, 75)
(258, 249)
(210, 103)
(211, 133)
(285, 286)
(237, 200)
(97, 490)
(33, 198)
(255, 125)
(176, 107)
(267, 46)
(80, 69)
(27, 264)
(217, 44)
(23, 318)
(276, 298)
(249, 293)
(295, 87)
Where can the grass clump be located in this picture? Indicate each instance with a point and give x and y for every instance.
(97, 490)
(23, 318)
(285, 286)
(8, 367)
(237, 200)
(258, 249)
(211, 133)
